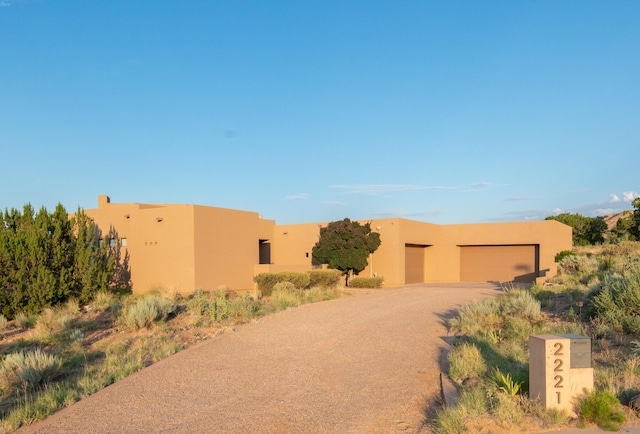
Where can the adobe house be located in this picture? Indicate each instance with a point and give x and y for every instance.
(185, 247)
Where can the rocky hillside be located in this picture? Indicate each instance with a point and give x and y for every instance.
(612, 219)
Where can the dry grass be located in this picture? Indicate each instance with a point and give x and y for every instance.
(500, 328)
(113, 337)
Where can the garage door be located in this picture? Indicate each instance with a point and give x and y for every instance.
(414, 263)
(499, 263)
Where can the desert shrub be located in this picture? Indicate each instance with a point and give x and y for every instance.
(243, 308)
(76, 335)
(25, 321)
(618, 303)
(286, 295)
(366, 282)
(453, 420)
(27, 370)
(507, 409)
(144, 312)
(450, 420)
(219, 305)
(517, 328)
(299, 280)
(563, 254)
(105, 301)
(321, 294)
(602, 408)
(578, 264)
(52, 321)
(3, 322)
(466, 362)
(72, 306)
(198, 302)
(606, 263)
(520, 303)
(477, 318)
(325, 278)
(265, 282)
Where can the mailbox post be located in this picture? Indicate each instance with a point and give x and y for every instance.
(559, 369)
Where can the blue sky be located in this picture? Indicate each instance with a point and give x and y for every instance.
(440, 111)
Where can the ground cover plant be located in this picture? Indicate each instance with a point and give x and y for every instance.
(596, 293)
(67, 352)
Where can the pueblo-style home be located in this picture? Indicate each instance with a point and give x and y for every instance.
(185, 247)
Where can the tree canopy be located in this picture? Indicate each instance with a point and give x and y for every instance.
(48, 258)
(586, 230)
(345, 245)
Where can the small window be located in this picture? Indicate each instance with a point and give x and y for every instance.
(123, 242)
(306, 254)
(112, 242)
(101, 243)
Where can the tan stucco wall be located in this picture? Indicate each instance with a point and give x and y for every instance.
(226, 247)
(185, 247)
(160, 242)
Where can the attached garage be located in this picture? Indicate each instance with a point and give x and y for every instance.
(504, 263)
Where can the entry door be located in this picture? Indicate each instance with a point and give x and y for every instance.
(414, 263)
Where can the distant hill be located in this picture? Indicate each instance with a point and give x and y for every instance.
(612, 219)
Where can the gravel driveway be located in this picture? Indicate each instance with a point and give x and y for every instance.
(367, 363)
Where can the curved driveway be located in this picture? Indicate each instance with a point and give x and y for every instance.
(362, 364)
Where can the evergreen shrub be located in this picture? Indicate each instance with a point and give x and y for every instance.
(325, 278)
(602, 408)
(563, 254)
(265, 282)
(298, 279)
(366, 282)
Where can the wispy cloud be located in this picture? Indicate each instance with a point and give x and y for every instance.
(519, 199)
(628, 196)
(614, 198)
(335, 203)
(390, 188)
(299, 196)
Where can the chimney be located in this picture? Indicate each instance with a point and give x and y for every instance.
(103, 200)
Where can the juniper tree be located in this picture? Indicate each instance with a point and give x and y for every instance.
(345, 245)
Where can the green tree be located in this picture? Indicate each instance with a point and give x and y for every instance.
(586, 230)
(47, 258)
(345, 245)
(634, 228)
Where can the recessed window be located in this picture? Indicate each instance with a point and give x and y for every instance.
(112, 242)
(306, 254)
